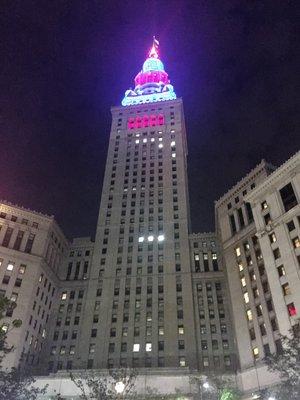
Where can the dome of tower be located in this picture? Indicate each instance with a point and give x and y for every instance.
(153, 64)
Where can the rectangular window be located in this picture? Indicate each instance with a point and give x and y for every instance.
(249, 212)
(18, 240)
(28, 246)
(232, 224)
(288, 197)
(7, 237)
(241, 218)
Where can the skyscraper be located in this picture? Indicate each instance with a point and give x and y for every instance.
(141, 257)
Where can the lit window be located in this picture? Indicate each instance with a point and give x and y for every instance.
(160, 139)
(161, 331)
(243, 281)
(173, 143)
(286, 289)
(160, 146)
(10, 266)
(22, 269)
(264, 205)
(182, 362)
(272, 238)
(240, 264)
(141, 239)
(214, 256)
(144, 140)
(137, 141)
(64, 295)
(136, 347)
(255, 352)
(160, 238)
(296, 242)
(4, 328)
(148, 346)
(238, 252)
(172, 131)
(246, 297)
(173, 155)
(152, 139)
(180, 329)
(291, 309)
(249, 315)
(150, 238)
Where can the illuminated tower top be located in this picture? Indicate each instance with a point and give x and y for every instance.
(151, 83)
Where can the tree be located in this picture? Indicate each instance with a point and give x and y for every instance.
(14, 384)
(215, 387)
(286, 363)
(95, 386)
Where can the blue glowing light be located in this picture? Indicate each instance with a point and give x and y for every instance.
(152, 83)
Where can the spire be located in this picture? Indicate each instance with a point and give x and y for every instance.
(152, 83)
(153, 53)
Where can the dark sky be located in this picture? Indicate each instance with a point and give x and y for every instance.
(64, 63)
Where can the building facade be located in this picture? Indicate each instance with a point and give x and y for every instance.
(32, 248)
(148, 293)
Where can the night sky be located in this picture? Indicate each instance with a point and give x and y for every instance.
(64, 63)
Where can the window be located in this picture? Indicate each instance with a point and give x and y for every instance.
(246, 297)
(10, 266)
(29, 243)
(136, 347)
(18, 240)
(272, 238)
(238, 252)
(148, 347)
(249, 212)
(267, 219)
(263, 330)
(290, 225)
(64, 296)
(182, 362)
(249, 315)
(7, 237)
(264, 205)
(241, 217)
(18, 282)
(296, 242)
(255, 352)
(286, 289)
(232, 224)
(281, 271)
(180, 329)
(276, 253)
(288, 197)
(291, 309)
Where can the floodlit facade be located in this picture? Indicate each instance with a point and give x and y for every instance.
(147, 293)
(32, 250)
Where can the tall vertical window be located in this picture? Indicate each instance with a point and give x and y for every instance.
(288, 197)
(205, 262)
(7, 237)
(232, 224)
(29, 243)
(18, 241)
(249, 212)
(241, 218)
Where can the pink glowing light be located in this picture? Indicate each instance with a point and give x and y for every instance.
(145, 121)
